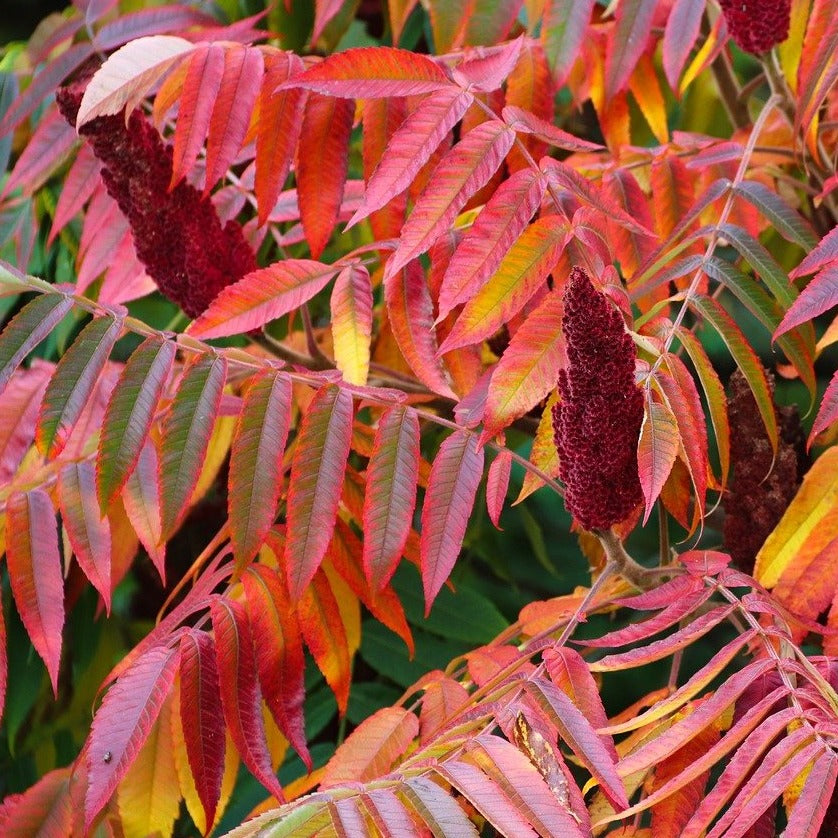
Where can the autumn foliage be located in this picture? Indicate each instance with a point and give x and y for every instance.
(301, 308)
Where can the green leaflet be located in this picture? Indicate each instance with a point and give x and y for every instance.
(73, 382)
(187, 429)
(129, 415)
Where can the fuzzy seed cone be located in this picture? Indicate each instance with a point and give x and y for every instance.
(757, 25)
(177, 234)
(757, 495)
(597, 421)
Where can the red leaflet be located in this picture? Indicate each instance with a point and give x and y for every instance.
(632, 249)
(682, 28)
(256, 462)
(35, 573)
(820, 295)
(489, 69)
(141, 498)
(828, 411)
(390, 495)
(716, 399)
(443, 697)
(279, 652)
(44, 153)
(201, 717)
(240, 696)
(382, 118)
(325, 636)
(127, 76)
(345, 556)
(316, 480)
(103, 250)
(389, 813)
(464, 170)
(485, 243)
(627, 42)
(562, 33)
(371, 72)
(526, 122)
(200, 88)
(452, 487)
(78, 188)
(501, 810)
(675, 611)
(44, 83)
(129, 415)
(4, 664)
(668, 646)
(529, 367)
(261, 296)
(497, 485)
(411, 146)
(818, 66)
(324, 11)
(656, 450)
(825, 253)
(530, 88)
(569, 672)
(372, 748)
(585, 190)
(520, 275)
(321, 170)
(579, 734)
(89, 533)
(280, 121)
(234, 101)
(811, 807)
(411, 316)
(44, 809)
(521, 782)
(123, 722)
(18, 410)
(685, 403)
(151, 22)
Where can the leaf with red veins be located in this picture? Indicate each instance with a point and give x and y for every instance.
(34, 563)
(373, 72)
(241, 698)
(464, 170)
(123, 722)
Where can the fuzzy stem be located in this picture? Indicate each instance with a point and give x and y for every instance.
(622, 562)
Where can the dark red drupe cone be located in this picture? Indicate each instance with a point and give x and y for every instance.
(597, 421)
(762, 485)
(177, 234)
(757, 25)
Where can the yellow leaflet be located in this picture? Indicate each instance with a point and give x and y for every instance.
(277, 743)
(701, 57)
(352, 324)
(829, 337)
(466, 218)
(790, 50)
(184, 773)
(812, 137)
(543, 455)
(219, 445)
(808, 525)
(349, 606)
(149, 795)
(646, 90)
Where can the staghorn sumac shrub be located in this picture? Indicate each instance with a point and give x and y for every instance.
(414, 260)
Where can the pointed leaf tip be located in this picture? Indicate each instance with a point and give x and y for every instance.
(452, 487)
